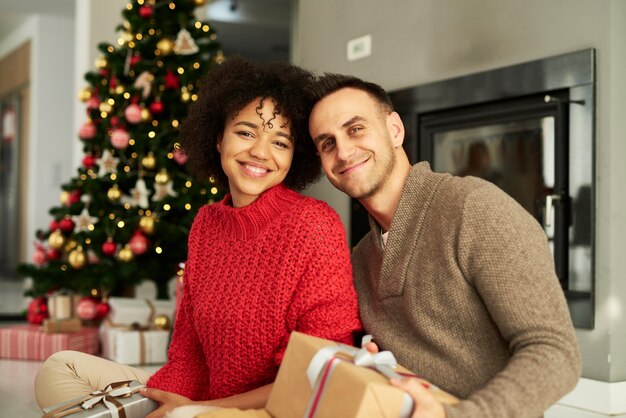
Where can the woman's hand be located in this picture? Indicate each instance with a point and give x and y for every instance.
(167, 401)
(426, 406)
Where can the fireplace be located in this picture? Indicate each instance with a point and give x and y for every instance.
(529, 129)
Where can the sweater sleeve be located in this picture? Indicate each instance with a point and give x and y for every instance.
(503, 252)
(324, 303)
(185, 372)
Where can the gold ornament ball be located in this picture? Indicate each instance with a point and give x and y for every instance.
(145, 115)
(125, 254)
(84, 94)
(56, 240)
(162, 177)
(64, 197)
(101, 62)
(166, 46)
(146, 224)
(162, 322)
(70, 245)
(148, 162)
(114, 194)
(105, 107)
(77, 258)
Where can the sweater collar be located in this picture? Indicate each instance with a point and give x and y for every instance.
(247, 221)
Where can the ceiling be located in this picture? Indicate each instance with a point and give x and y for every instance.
(257, 29)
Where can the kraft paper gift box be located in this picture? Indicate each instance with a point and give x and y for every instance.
(61, 325)
(318, 378)
(121, 399)
(126, 311)
(137, 347)
(30, 342)
(62, 304)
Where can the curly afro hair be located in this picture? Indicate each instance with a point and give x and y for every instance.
(225, 91)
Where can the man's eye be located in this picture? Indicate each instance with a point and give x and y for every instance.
(328, 145)
(355, 129)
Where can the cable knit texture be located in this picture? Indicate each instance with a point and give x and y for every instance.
(255, 274)
(465, 295)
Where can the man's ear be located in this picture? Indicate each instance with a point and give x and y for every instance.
(396, 129)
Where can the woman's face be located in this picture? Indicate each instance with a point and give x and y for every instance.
(256, 151)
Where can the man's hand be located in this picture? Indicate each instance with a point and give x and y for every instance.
(166, 400)
(426, 406)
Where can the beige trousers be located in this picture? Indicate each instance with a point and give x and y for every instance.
(71, 374)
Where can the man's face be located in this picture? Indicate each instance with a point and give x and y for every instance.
(354, 139)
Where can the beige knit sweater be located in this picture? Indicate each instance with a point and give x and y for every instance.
(465, 295)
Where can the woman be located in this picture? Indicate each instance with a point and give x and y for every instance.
(263, 262)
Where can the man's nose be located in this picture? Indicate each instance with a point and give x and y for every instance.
(345, 149)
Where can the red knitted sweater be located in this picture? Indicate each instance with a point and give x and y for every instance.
(255, 274)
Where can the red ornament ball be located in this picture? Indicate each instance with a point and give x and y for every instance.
(120, 138)
(109, 247)
(74, 196)
(54, 254)
(87, 131)
(89, 161)
(66, 225)
(87, 308)
(146, 12)
(133, 113)
(102, 310)
(156, 107)
(54, 225)
(139, 243)
(135, 59)
(37, 310)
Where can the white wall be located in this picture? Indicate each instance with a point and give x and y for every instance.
(420, 41)
(51, 101)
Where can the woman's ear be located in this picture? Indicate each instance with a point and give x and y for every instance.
(219, 144)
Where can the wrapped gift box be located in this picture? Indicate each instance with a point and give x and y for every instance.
(61, 325)
(127, 346)
(126, 311)
(30, 342)
(120, 395)
(235, 413)
(341, 389)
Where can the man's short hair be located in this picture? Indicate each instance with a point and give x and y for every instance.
(330, 83)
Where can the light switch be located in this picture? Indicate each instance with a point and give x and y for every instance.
(359, 48)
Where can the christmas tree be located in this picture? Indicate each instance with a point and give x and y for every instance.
(126, 215)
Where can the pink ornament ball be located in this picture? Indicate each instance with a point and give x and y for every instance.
(180, 157)
(40, 257)
(138, 243)
(93, 103)
(133, 113)
(120, 138)
(87, 131)
(87, 308)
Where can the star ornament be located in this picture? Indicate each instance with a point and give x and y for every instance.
(138, 196)
(107, 163)
(84, 220)
(163, 190)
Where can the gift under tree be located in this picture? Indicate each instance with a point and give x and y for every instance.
(126, 214)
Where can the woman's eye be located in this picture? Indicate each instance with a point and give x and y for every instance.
(281, 144)
(245, 134)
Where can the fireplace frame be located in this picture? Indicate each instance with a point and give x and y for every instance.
(571, 81)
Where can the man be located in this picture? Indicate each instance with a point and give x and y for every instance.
(455, 278)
